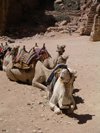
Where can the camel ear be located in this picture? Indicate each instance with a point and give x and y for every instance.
(6, 44)
(72, 71)
(44, 46)
(36, 45)
(1, 44)
(34, 50)
(17, 46)
(24, 47)
(57, 46)
(63, 46)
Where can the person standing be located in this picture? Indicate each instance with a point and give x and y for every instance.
(70, 32)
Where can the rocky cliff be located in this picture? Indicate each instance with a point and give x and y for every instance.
(11, 11)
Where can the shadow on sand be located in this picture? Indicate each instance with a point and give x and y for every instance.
(82, 118)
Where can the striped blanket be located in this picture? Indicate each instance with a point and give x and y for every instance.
(53, 77)
(26, 57)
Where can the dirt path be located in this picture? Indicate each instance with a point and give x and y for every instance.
(24, 109)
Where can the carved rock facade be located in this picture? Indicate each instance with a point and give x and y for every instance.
(95, 34)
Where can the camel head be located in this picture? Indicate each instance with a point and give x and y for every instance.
(61, 49)
(72, 75)
(68, 75)
(43, 46)
(62, 59)
(2, 45)
(65, 76)
(36, 45)
(14, 50)
(6, 44)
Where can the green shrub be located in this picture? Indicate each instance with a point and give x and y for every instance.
(62, 17)
(57, 7)
(75, 4)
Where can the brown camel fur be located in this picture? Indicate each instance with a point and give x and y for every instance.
(50, 63)
(35, 76)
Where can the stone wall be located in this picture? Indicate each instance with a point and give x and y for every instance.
(11, 11)
(95, 34)
(90, 20)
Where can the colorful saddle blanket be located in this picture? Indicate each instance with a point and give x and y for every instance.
(3, 51)
(24, 58)
(0, 49)
(53, 76)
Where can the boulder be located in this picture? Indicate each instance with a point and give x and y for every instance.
(64, 22)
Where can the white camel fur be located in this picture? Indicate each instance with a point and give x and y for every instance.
(62, 92)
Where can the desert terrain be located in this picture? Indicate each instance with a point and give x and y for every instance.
(25, 109)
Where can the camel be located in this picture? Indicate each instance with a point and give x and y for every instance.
(4, 49)
(62, 92)
(35, 76)
(10, 55)
(50, 63)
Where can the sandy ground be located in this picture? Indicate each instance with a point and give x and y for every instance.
(25, 109)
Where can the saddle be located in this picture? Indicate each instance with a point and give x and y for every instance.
(25, 60)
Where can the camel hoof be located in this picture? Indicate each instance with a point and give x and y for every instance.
(58, 111)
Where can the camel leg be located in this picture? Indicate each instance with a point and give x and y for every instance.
(53, 105)
(10, 74)
(72, 106)
(38, 85)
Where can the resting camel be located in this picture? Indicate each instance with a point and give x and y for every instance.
(35, 76)
(62, 92)
(10, 55)
(3, 51)
(50, 63)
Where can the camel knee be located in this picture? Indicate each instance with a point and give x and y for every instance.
(55, 108)
(52, 106)
(34, 83)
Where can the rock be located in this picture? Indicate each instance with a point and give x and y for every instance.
(0, 119)
(18, 129)
(40, 131)
(69, 122)
(58, 1)
(39, 128)
(90, 18)
(11, 41)
(42, 115)
(4, 130)
(28, 103)
(34, 131)
(95, 34)
(64, 22)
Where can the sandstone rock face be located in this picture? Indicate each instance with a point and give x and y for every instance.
(11, 11)
(89, 11)
(95, 34)
(90, 20)
(4, 5)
